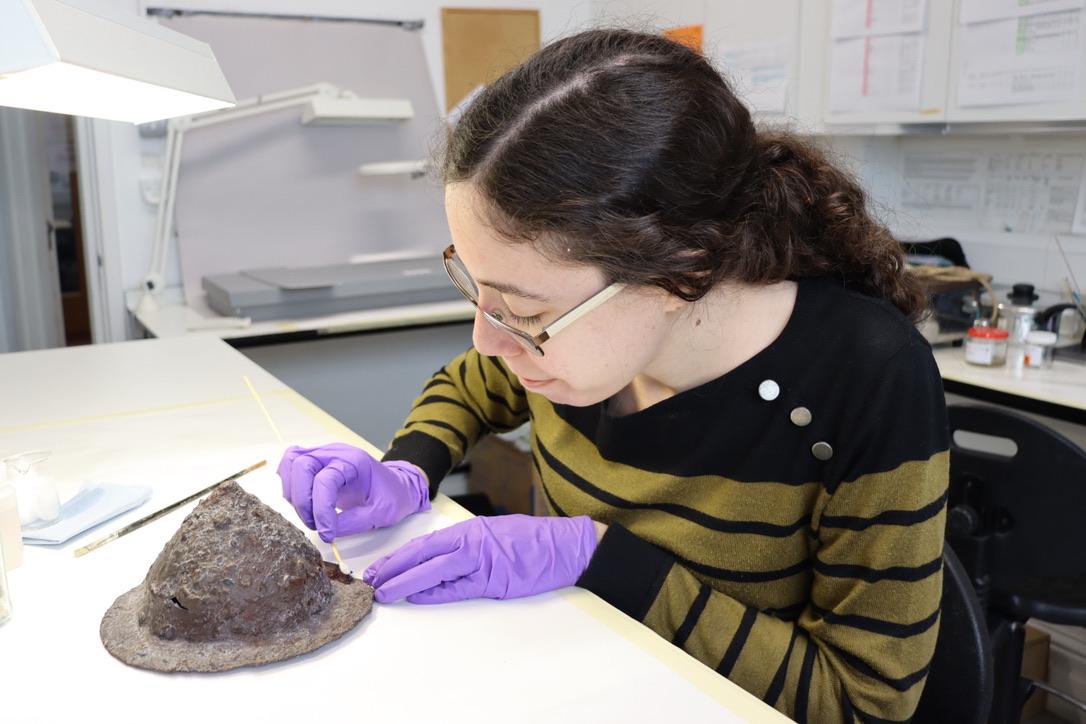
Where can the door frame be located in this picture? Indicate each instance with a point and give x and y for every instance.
(101, 230)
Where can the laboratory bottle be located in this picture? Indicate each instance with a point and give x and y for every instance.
(10, 527)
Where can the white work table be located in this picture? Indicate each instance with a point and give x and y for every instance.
(1058, 391)
(175, 414)
(169, 316)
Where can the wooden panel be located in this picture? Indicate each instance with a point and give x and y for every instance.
(504, 474)
(480, 45)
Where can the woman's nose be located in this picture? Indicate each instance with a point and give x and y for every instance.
(490, 340)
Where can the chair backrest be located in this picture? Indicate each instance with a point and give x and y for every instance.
(959, 685)
(1024, 511)
(948, 248)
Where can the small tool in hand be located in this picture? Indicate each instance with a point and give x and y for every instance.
(343, 567)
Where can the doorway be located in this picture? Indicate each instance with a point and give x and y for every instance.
(67, 228)
(43, 287)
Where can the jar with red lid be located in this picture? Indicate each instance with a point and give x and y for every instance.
(986, 346)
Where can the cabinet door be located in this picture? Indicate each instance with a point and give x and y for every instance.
(878, 75)
(1018, 69)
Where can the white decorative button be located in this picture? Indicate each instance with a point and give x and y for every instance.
(800, 416)
(822, 450)
(769, 390)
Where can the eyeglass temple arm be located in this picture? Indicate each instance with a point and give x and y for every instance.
(585, 307)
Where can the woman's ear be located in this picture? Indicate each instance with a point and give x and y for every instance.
(667, 301)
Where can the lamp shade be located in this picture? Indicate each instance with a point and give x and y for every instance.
(102, 63)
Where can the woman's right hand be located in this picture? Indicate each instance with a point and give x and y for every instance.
(370, 494)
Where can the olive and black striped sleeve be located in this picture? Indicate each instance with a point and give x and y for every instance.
(845, 633)
(471, 396)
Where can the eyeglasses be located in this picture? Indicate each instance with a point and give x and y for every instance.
(533, 343)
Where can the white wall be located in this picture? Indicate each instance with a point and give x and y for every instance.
(1009, 257)
(649, 14)
(557, 17)
(129, 220)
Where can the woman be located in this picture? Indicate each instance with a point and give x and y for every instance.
(740, 434)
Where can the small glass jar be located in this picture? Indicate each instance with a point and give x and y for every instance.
(37, 491)
(986, 346)
(1039, 347)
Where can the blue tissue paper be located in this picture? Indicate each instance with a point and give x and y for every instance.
(92, 506)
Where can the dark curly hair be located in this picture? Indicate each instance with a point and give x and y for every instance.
(629, 152)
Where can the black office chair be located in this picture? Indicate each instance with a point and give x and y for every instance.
(959, 685)
(1017, 521)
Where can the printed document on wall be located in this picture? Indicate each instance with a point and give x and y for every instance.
(977, 11)
(1078, 226)
(852, 18)
(1005, 185)
(759, 72)
(876, 73)
(1031, 190)
(940, 185)
(1032, 59)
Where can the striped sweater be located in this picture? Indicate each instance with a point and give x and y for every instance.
(802, 561)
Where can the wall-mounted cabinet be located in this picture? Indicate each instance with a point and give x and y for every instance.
(885, 61)
(1018, 62)
(985, 62)
(889, 66)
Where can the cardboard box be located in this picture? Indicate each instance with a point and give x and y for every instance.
(505, 474)
(1035, 667)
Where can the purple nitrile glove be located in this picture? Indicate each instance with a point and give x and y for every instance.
(371, 494)
(505, 556)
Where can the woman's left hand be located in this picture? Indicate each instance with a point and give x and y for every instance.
(506, 556)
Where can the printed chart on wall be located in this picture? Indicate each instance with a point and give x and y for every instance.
(1020, 51)
(995, 185)
(1078, 226)
(759, 72)
(877, 53)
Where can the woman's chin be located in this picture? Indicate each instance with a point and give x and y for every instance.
(561, 394)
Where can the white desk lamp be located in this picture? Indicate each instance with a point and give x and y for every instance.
(59, 57)
(415, 169)
(418, 169)
(324, 104)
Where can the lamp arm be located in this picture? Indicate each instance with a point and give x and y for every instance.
(156, 276)
(155, 280)
(260, 104)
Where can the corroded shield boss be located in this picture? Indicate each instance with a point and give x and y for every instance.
(237, 585)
